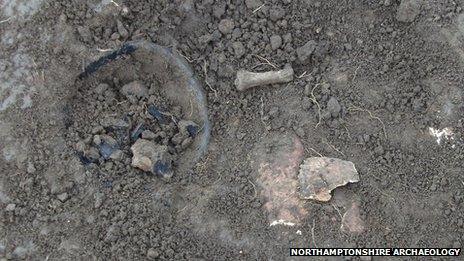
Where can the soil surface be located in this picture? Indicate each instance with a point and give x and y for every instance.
(377, 83)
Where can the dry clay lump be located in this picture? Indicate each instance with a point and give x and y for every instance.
(320, 175)
(333, 108)
(276, 42)
(151, 157)
(136, 89)
(253, 4)
(305, 51)
(226, 26)
(408, 10)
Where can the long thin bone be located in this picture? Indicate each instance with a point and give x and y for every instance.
(246, 80)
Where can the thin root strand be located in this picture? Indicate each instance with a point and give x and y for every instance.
(371, 115)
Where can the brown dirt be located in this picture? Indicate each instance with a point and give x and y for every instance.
(373, 92)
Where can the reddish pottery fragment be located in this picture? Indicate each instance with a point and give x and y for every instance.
(320, 175)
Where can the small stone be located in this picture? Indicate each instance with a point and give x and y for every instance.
(107, 146)
(115, 36)
(106, 150)
(108, 140)
(136, 89)
(101, 88)
(379, 150)
(99, 198)
(219, 9)
(276, 13)
(178, 138)
(63, 197)
(186, 143)
(333, 107)
(161, 135)
(97, 130)
(117, 155)
(307, 90)
(276, 42)
(115, 123)
(408, 10)
(30, 168)
(10, 207)
(226, 26)
(92, 154)
(253, 4)
(239, 49)
(125, 11)
(150, 157)
(288, 38)
(305, 51)
(152, 253)
(148, 135)
(80, 146)
(122, 30)
(205, 39)
(97, 140)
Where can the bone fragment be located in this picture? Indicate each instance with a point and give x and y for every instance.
(246, 80)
